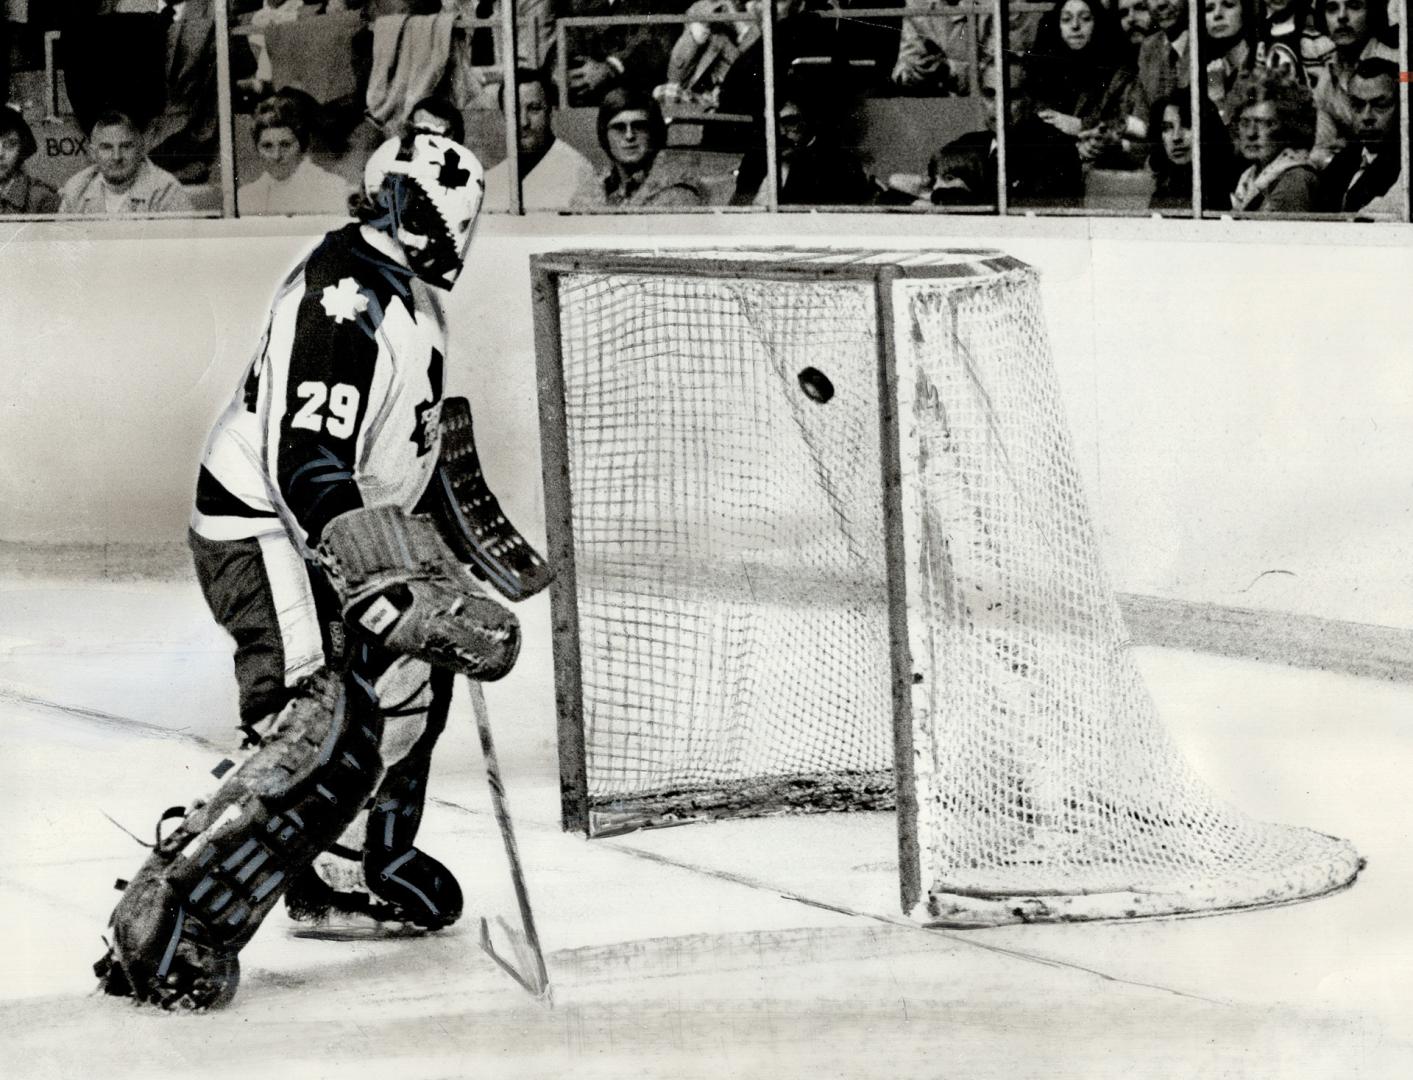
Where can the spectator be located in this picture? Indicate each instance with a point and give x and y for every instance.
(705, 51)
(1291, 39)
(1163, 57)
(291, 183)
(1172, 153)
(797, 33)
(1118, 137)
(551, 170)
(1275, 122)
(813, 170)
(1135, 19)
(121, 180)
(184, 137)
(602, 58)
(1085, 80)
(1360, 31)
(1229, 30)
(633, 133)
(1042, 165)
(937, 51)
(20, 193)
(1364, 175)
(269, 13)
(437, 116)
(1071, 65)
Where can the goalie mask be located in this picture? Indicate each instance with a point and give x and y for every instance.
(427, 193)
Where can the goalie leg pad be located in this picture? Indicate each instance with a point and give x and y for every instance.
(204, 890)
(421, 889)
(389, 879)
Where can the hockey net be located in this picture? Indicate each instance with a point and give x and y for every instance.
(733, 603)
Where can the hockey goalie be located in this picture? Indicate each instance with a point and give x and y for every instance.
(341, 533)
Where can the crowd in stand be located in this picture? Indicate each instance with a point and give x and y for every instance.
(1296, 107)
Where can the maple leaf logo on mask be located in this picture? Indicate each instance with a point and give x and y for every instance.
(453, 174)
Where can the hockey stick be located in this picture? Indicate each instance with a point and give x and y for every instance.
(527, 943)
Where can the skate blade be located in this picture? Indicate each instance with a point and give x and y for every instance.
(340, 927)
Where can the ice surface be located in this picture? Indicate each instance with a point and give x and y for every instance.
(739, 949)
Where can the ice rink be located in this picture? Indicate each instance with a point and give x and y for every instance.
(765, 948)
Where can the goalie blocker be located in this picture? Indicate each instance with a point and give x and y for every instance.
(470, 516)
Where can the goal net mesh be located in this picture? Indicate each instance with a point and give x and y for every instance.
(733, 619)
(1046, 783)
(728, 545)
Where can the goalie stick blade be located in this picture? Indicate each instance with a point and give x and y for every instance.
(526, 958)
(472, 521)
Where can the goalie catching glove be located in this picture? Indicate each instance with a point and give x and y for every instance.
(401, 585)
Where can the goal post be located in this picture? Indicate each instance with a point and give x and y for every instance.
(821, 544)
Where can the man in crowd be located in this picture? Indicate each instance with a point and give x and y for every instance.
(184, 138)
(1135, 20)
(551, 170)
(936, 50)
(1364, 175)
(1042, 165)
(602, 58)
(121, 179)
(814, 170)
(633, 134)
(1162, 58)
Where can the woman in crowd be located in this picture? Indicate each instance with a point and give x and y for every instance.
(1119, 138)
(1360, 31)
(1084, 75)
(290, 183)
(1229, 38)
(633, 133)
(1173, 150)
(1073, 64)
(1274, 119)
(20, 193)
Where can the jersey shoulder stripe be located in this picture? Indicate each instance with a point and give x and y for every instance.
(214, 499)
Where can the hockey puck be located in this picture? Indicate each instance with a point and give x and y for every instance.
(816, 385)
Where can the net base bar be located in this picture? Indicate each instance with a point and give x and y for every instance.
(762, 797)
(1210, 896)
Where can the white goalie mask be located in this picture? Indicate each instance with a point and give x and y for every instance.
(427, 191)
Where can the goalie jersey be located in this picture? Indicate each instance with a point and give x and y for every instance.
(339, 407)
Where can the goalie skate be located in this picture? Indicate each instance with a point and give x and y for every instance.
(333, 897)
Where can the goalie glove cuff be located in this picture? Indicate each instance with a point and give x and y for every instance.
(400, 584)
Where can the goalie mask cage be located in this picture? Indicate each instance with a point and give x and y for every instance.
(821, 544)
